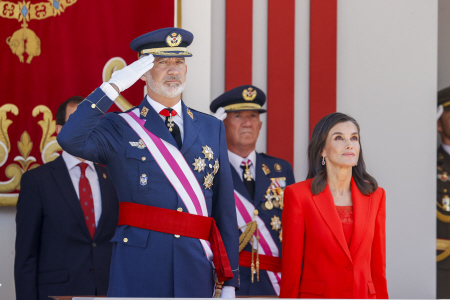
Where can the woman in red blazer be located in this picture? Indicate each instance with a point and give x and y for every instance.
(334, 222)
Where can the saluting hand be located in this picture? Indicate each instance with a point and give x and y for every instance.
(220, 114)
(126, 77)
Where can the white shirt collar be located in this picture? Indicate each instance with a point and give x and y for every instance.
(446, 148)
(158, 106)
(71, 161)
(236, 160)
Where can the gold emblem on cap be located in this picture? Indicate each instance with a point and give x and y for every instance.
(173, 39)
(190, 114)
(249, 94)
(144, 111)
(265, 169)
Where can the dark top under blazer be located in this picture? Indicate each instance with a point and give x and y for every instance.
(55, 254)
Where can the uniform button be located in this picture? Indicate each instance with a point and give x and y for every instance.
(125, 240)
(94, 245)
(177, 236)
(445, 190)
(349, 267)
(93, 105)
(144, 158)
(180, 209)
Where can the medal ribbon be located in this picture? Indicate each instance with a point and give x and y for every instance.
(245, 214)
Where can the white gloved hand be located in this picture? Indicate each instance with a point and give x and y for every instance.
(220, 114)
(228, 291)
(127, 76)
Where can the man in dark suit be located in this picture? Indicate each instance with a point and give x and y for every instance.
(66, 216)
(259, 181)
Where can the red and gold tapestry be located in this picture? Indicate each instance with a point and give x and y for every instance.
(52, 50)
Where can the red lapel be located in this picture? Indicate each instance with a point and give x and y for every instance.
(325, 205)
(361, 210)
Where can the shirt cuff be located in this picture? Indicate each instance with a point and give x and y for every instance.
(109, 91)
(228, 292)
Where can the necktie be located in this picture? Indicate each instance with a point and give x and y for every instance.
(249, 182)
(86, 200)
(171, 125)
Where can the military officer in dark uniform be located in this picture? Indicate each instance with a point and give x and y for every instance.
(170, 167)
(259, 181)
(443, 196)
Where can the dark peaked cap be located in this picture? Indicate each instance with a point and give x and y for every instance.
(164, 42)
(244, 97)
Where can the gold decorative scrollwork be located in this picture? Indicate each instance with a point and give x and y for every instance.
(49, 146)
(115, 64)
(5, 145)
(23, 162)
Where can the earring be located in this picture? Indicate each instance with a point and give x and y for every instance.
(323, 160)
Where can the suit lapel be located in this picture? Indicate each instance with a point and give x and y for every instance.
(325, 204)
(361, 210)
(191, 129)
(62, 179)
(155, 124)
(262, 181)
(105, 192)
(239, 185)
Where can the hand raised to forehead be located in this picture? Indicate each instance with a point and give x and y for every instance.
(127, 76)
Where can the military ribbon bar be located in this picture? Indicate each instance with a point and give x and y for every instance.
(245, 214)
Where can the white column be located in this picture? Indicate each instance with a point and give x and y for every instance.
(301, 92)
(196, 17)
(386, 80)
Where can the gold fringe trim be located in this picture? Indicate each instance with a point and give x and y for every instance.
(246, 236)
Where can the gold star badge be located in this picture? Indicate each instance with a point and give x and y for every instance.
(199, 164)
(144, 111)
(276, 223)
(216, 166)
(208, 181)
(209, 154)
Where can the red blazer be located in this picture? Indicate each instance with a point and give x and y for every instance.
(313, 235)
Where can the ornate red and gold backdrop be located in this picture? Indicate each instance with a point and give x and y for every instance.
(52, 50)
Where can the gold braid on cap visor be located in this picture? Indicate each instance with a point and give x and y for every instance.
(242, 106)
(161, 51)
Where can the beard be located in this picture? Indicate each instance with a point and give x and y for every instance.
(171, 91)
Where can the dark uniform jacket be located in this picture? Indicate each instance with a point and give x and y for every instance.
(55, 254)
(148, 263)
(278, 168)
(443, 221)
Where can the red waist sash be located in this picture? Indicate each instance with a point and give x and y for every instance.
(266, 262)
(175, 222)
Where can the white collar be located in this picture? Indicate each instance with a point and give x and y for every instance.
(71, 161)
(158, 106)
(236, 160)
(446, 148)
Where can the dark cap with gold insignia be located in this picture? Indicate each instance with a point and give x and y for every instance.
(164, 42)
(444, 98)
(245, 97)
